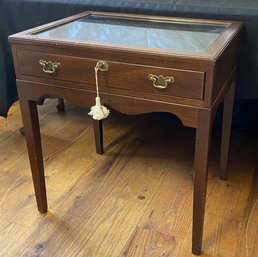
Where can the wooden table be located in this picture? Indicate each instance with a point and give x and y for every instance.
(186, 67)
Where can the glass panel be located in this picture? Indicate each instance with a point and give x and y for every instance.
(186, 36)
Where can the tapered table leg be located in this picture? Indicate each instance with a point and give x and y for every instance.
(226, 130)
(203, 134)
(98, 134)
(32, 134)
(60, 106)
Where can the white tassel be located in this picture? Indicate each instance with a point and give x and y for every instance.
(98, 111)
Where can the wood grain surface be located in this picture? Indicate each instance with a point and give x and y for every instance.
(134, 200)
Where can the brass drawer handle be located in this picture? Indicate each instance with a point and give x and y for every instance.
(160, 81)
(49, 67)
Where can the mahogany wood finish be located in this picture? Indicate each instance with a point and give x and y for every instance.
(202, 81)
(98, 133)
(136, 74)
(227, 119)
(61, 105)
(202, 142)
(32, 133)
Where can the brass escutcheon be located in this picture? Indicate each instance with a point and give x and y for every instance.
(102, 65)
(160, 81)
(49, 67)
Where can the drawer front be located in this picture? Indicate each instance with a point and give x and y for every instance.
(184, 83)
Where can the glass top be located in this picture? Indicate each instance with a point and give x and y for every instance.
(155, 34)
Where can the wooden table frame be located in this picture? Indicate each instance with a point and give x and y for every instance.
(218, 64)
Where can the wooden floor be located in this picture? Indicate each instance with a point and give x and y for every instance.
(134, 200)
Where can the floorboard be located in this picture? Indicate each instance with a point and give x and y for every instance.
(135, 200)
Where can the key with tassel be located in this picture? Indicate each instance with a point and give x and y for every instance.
(98, 111)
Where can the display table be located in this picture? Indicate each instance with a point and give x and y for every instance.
(148, 64)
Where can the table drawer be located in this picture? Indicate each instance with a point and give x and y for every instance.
(184, 83)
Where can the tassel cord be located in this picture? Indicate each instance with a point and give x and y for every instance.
(96, 78)
(98, 111)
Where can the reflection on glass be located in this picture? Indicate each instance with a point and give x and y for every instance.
(194, 37)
